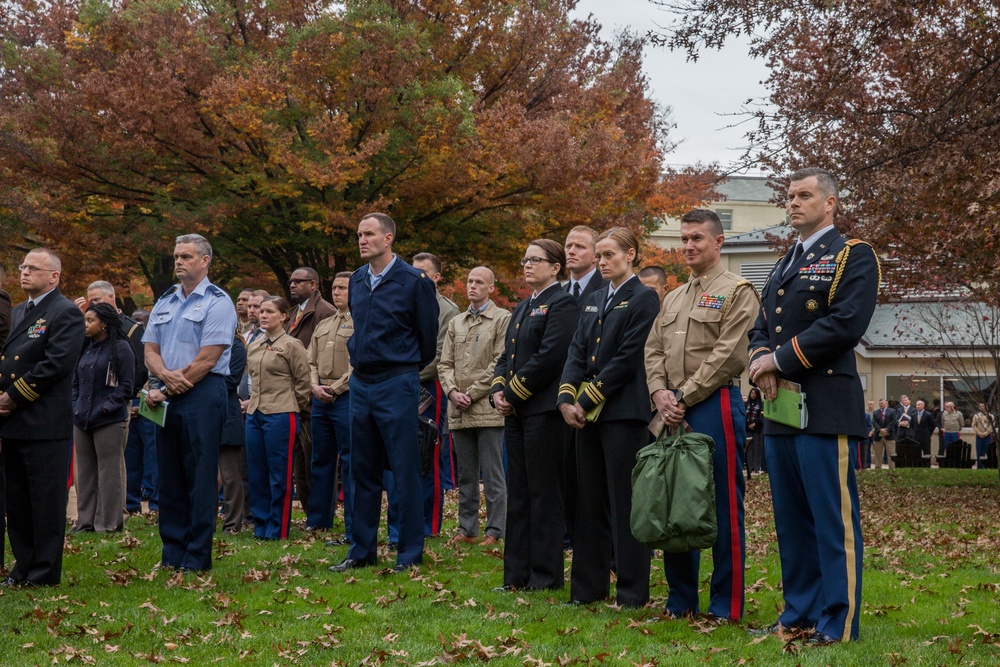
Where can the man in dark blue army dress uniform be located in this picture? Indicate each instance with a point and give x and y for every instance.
(815, 307)
(188, 348)
(36, 419)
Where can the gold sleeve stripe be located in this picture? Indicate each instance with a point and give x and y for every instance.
(132, 330)
(566, 386)
(26, 391)
(498, 381)
(518, 387)
(595, 395)
(568, 390)
(754, 353)
(798, 353)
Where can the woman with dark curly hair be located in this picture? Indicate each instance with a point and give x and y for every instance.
(102, 388)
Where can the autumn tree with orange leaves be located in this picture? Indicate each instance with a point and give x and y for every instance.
(273, 127)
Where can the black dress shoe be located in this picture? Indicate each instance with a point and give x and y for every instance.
(506, 588)
(393, 546)
(820, 639)
(348, 564)
(337, 542)
(574, 603)
(773, 629)
(402, 567)
(10, 581)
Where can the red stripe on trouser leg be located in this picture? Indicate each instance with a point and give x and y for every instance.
(286, 506)
(734, 519)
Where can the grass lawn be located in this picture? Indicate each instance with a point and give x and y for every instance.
(931, 594)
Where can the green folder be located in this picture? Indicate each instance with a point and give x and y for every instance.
(157, 415)
(595, 412)
(789, 406)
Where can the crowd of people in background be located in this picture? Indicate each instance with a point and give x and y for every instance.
(391, 389)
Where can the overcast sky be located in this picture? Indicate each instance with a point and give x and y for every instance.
(700, 94)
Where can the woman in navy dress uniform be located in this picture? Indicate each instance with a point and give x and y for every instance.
(524, 390)
(608, 355)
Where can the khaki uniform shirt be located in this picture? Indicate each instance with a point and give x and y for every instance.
(952, 422)
(471, 346)
(329, 363)
(279, 375)
(698, 342)
(982, 424)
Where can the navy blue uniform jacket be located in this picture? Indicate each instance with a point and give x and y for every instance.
(535, 346)
(36, 369)
(608, 351)
(234, 428)
(812, 319)
(396, 326)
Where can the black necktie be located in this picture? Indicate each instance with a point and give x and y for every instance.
(796, 254)
(30, 307)
(576, 290)
(607, 305)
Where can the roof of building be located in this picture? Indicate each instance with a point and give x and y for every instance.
(746, 188)
(758, 236)
(951, 324)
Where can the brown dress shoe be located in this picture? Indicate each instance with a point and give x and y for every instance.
(464, 539)
(489, 541)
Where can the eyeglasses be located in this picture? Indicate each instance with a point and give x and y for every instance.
(28, 268)
(534, 261)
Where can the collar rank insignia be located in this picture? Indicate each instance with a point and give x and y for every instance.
(711, 301)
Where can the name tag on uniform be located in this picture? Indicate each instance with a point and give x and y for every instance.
(541, 310)
(711, 301)
(590, 309)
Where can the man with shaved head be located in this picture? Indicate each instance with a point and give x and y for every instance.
(471, 346)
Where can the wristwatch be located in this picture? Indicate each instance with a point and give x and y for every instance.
(679, 394)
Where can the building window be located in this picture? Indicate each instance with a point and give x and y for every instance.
(965, 392)
(725, 216)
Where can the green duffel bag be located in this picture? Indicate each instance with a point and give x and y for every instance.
(673, 493)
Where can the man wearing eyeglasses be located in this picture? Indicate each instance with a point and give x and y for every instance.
(36, 419)
(304, 289)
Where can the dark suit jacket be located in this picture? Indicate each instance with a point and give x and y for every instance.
(607, 351)
(923, 426)
(597, 281)
(812, 317)
(233, 428)
(906, 431)
(134, 331)
(316, 311)
(36, 369)
(5, 308)
(537, 339)
(888, 423)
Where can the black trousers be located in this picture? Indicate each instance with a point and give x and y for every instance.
(605, 456)
(533, 554)
(37, 492)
